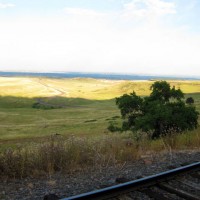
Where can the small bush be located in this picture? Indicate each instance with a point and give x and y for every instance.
(113, 128)
(116, 117)
(92, 120)
(38, 105)
(190, 100)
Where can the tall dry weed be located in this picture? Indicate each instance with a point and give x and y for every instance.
(59, 154)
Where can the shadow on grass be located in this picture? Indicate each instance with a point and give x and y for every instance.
(45, 102)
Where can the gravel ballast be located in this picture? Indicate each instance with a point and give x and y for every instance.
(93, 178)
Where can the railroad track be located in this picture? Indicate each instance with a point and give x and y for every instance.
(179, 183)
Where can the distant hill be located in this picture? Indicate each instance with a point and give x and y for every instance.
(87, 88)
(108, 76)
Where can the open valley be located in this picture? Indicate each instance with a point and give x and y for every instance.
(81, 106)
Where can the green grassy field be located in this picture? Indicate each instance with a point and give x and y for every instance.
(69, 129)
(87, 106)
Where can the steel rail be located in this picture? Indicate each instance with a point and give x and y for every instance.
(120, 189)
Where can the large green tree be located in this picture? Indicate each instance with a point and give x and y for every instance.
(161, 113)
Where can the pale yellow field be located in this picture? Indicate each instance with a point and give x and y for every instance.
(81, 87)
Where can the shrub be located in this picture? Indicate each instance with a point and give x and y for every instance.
(190, 100)
(159, 114)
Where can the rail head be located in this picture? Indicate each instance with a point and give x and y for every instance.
(115, 190)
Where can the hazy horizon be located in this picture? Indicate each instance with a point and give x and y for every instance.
(107, 74)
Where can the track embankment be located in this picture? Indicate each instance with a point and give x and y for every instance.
(91, 179)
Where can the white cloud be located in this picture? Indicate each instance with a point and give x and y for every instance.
(147, 8)
(6, 5)
(82, 11)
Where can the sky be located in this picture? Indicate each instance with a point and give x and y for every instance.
(152, 37)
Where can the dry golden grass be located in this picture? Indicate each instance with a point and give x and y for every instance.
(66, 155)
(81, 87)
(70, 154)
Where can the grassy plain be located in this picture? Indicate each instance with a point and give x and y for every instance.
(87, 105)
(75, 133)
